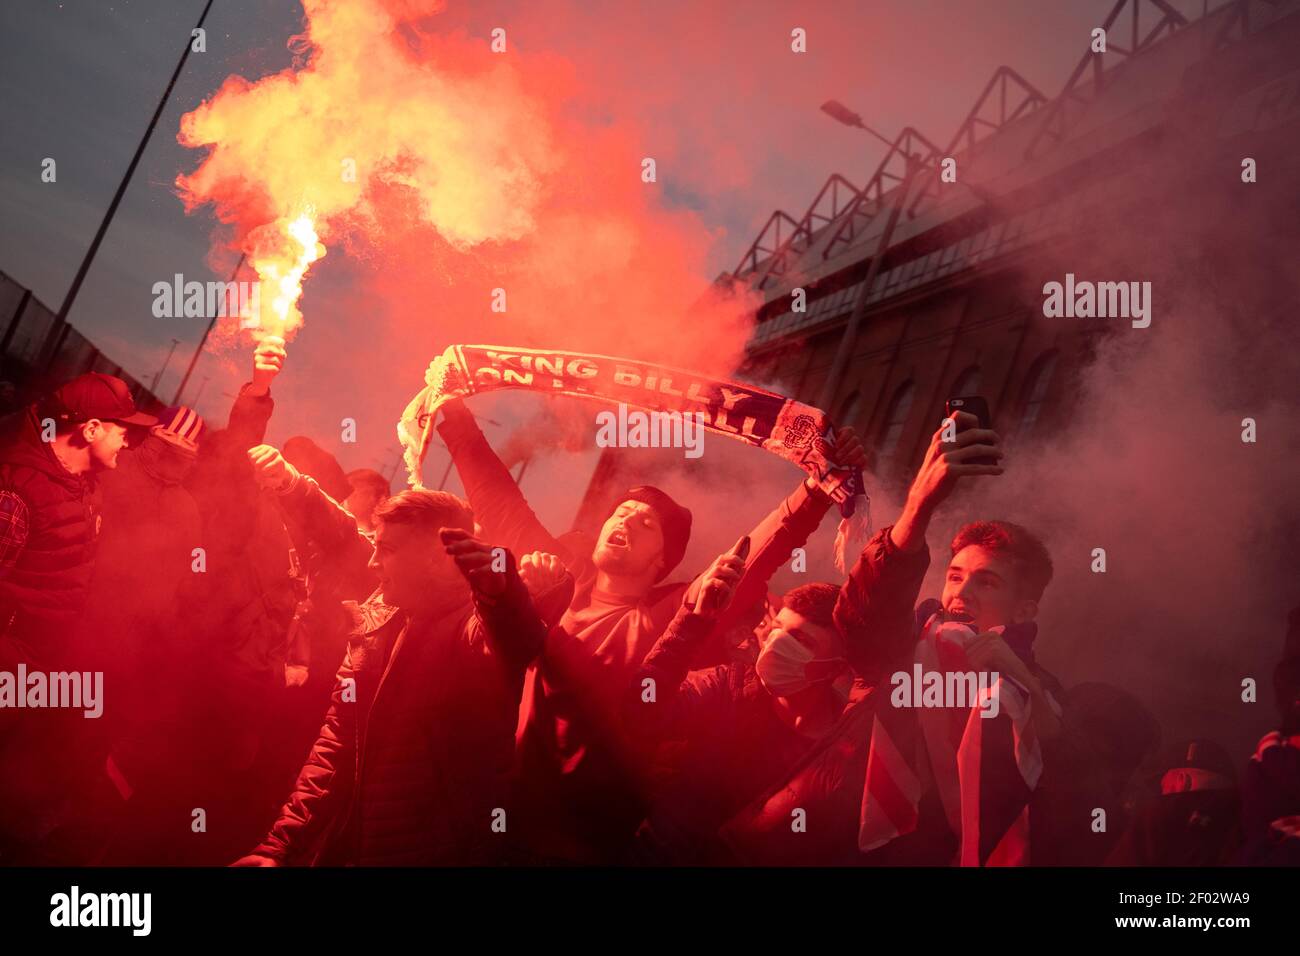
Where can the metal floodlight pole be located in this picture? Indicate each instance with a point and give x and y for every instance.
(80, 277)
(153, 386)
(194, 360)
(195, 403)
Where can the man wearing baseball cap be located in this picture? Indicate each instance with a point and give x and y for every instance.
(50, 455)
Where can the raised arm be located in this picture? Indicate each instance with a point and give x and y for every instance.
(875, 606)
(947, 461)
(498, 504)
(874, 609)
(513, 629)
(253, 406)
(773, 540)
(313, 515)
(771, 544)
(665, 701)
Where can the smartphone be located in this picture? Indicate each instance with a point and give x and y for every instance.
(708, 600)
(977, 406)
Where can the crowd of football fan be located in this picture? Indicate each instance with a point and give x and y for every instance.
(302, 668)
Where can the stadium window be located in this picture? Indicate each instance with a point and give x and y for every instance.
(1035, 392)
(967, 383)
(892, 431)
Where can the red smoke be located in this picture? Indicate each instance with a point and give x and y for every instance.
(471, 175)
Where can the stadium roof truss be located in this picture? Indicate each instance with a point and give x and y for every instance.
(836, 195)
(1006, 98)
(841, 212)
(908, 150)
(1091, 76)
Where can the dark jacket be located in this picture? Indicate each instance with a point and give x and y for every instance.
(243, 603)
(43, 595)
(146, 552)
(724, 744)
(580, 775)
(41, 601)
(335, 561)
(1270, 793)
(876, 612)
(412, 770)
(1193, 828)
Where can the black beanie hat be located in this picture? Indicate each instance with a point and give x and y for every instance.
(675, 519)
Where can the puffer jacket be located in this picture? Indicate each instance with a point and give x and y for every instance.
(43, 595)
(411, 766)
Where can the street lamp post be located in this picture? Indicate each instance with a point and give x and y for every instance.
(841, 113)
(849, 338)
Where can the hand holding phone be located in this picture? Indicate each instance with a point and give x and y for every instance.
(977, 406)
(721, 578)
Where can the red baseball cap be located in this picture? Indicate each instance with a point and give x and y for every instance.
(96, 395)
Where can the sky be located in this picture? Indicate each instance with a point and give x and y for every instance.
(713, 91)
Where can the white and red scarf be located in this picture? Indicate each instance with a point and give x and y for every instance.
(984, 769)
(799, 433)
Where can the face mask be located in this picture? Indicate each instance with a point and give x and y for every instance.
(786, 666)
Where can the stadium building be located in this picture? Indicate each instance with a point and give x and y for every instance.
(926, 280)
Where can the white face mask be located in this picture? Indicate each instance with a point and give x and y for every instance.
(786, 666)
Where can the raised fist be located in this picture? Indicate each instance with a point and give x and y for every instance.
(268, 360)
(271, 469)
(540, 572)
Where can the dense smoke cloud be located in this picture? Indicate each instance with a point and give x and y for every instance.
(1196, 524)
